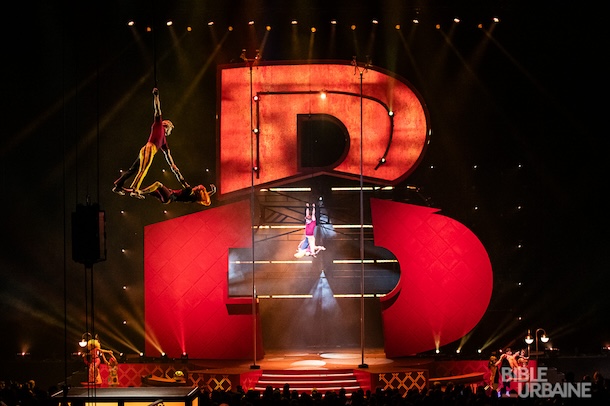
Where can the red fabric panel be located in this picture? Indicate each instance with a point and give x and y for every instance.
(186, 285)
(446, 277)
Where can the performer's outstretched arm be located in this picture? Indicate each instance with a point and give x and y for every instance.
(174, 168)
(156, 103)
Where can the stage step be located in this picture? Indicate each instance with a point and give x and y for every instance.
(305, 381)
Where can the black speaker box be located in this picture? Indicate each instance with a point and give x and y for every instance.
(88, 234)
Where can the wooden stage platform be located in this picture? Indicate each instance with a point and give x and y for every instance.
(142, 383)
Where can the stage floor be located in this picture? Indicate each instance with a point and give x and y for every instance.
(374, 359)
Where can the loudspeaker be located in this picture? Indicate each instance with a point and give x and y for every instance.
(88, 234)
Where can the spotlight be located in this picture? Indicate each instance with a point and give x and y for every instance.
(169, 23)
(294, 22)
(210, 23)
(251, 22)
(131, 23)
(333, 22)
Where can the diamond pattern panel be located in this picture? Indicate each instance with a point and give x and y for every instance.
(186, 285)
(446, 277)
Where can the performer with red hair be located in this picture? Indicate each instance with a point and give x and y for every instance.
(160, 130)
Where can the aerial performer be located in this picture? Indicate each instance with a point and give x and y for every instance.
(310, 233)
(303, 249)
(157, 140)
(196, 194)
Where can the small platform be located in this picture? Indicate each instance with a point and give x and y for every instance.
(140, 396)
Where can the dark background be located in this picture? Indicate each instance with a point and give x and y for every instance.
(515, 151)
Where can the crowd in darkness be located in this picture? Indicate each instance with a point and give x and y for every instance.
(451, 395)
(27, 394)
(13, 393)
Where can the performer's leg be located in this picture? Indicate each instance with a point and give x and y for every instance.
(147, 153)
(120, 182)
(312, 243)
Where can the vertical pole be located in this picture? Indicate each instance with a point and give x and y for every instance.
(254, 327)
(362, 364)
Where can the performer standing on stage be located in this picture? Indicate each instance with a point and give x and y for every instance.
(93, 357)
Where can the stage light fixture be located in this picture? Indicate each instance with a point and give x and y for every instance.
(333, 22)
(210, 23)
(131, 23)
(544, 338)
(169, 23)
(84, 340)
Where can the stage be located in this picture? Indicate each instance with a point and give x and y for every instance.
(147, 381)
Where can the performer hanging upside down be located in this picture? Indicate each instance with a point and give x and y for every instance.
(197, 194)
(310, 229)
(157, 140)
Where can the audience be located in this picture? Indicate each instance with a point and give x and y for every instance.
(28, 394)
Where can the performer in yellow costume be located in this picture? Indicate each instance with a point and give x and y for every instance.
(93, 357)
(157, 140)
